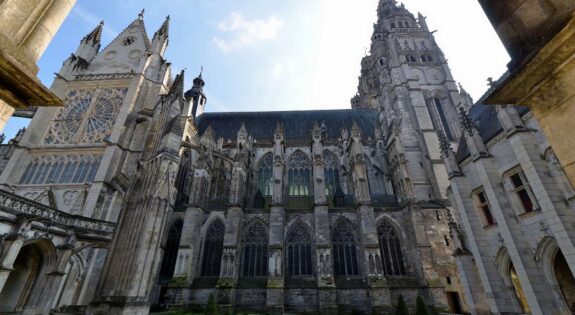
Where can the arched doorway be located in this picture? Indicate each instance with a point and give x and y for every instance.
(564, 279)
(20, 282)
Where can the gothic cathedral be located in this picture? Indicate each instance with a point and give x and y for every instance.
(132, 197)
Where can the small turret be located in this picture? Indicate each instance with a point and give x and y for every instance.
(160, 40)
(90, 44)
(195, 98)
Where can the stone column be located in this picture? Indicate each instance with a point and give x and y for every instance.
(275, 291)
(12, 243)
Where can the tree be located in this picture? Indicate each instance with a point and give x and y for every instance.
(401, 307)
(420, 306)
(212, 307)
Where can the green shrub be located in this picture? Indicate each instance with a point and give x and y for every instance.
(420, 306)
(401, 307)
(212, 307)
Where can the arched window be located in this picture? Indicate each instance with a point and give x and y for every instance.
(265, 182)
(171, 251)
(298, 244)
(255, 262)
(518, 290)
(213, 246)
(344, 249)
(390, 248)
(442, 117)
(330, 172)
(299, 175)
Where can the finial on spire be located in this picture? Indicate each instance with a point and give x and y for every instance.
(141, 15)
(95, 35)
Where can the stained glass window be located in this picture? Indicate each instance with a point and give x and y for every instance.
(265, 182)
(331, 174)
(391, 254)
(255, 256)
(213, 246)
(298, 244)
(344, 249)
(299, 175)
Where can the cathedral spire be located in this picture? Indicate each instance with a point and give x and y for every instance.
(160, 40)
(95, 35)
(90, 44)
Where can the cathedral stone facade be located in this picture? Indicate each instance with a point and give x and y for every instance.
(131, 197)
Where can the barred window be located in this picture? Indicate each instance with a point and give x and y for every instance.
(298, 244)
(255, 262)
(265, 182)
(522, 190)
(390, 247)
(299, 175)
(482, 204)
(344, 249)
(213, 247)
(331, 174)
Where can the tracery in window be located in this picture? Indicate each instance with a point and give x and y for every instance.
(330, 172)
(298, 244)
(87, 116)
(213, 246)
(61, 169)
(299, 175)
(344, 249)
(255, 256)
(265, 169)
(390, 247)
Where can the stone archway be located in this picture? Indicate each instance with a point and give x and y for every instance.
(564, 279)
(23, 277)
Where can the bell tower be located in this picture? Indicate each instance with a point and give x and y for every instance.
(406, 77)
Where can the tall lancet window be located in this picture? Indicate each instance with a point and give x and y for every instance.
(299, 175)
(344, 249)
(298, 244)
(441, 116)
(390, 247)
(171, 251)
(265, 169)
(213, 246)
(255, 258)
(331, 174)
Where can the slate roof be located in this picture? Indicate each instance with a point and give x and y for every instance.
(486, 121)
(297, 124)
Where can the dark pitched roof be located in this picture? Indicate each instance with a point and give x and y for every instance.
(485, 119)
(297, 124)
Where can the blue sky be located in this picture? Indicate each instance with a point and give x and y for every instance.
(279, 55)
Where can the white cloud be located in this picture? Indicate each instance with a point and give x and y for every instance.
(92, 20)
(244, 33)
